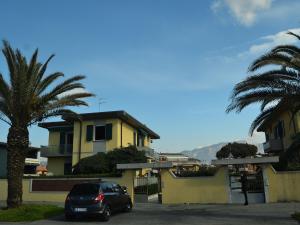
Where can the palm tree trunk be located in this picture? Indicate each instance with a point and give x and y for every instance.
(17, 146)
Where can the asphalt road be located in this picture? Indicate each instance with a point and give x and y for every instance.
(155, 214)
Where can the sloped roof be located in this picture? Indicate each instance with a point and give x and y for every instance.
(123, 115)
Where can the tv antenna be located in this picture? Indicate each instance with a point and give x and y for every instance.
(100, 102)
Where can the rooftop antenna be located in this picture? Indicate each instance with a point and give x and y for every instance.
(100, 102)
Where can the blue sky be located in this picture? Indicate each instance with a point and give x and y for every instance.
(171, 64)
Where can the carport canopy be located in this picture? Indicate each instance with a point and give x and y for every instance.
(155, 165)
(247, 160)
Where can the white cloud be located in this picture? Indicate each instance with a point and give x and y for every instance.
(74, 91)
(270, 41)
(245, 11)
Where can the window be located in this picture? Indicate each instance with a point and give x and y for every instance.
(99, 133)
(85, 189)
(107, 187)
(134, 138)
(279, 130)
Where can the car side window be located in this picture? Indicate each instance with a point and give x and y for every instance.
(117, 188)
(107, 187)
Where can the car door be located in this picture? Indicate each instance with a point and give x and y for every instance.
(121, 198)
(109, 195)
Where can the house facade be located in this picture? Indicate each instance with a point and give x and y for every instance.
(280, 129)
(87, 134)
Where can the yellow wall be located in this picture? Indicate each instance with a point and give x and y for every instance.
(214, 189)
(127, 137)
(289, 129)
(125, 180)
(282, 186)
(86, 147)
(147, 141)
(56, 165)
(53, 138)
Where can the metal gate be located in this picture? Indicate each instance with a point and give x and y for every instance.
(255, 188)
(146, 188)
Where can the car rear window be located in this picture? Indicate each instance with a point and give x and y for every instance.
(85, 189)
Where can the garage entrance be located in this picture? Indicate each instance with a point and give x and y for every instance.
(253, 167)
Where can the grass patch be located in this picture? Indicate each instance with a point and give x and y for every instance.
(30, 213)
(296, 216)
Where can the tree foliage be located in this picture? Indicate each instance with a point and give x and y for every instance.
(27, 97)
(274, 83)
(106, 162)
(237, 150)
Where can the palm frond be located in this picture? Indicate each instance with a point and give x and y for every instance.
(273, 59)
(260, 119)
(293, 34)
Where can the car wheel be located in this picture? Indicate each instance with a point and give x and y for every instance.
(69, 217)
(106, 213)
(128, 207)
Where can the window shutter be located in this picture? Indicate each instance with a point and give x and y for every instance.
(89, 132)
(108, 131)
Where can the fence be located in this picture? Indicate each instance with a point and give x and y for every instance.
(146, 185)
(56, 189)
(142, 181)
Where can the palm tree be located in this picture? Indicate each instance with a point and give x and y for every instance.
(272, 89)
(26, 99)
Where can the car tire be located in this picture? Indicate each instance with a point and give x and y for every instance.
(128, 207)
(106, 213)
(69, 217)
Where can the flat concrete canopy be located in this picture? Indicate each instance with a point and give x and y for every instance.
(248, 160)
(155, 165)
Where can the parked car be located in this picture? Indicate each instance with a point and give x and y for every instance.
(100, 198)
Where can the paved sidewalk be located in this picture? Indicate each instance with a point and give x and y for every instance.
(155, 214)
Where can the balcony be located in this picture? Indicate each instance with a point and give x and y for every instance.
(57, 150)
(273, 146)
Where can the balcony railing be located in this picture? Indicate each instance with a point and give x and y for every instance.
(273, 145)
(56, 150)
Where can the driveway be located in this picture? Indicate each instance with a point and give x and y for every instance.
(155, 214)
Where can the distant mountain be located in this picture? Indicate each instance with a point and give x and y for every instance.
(208, 153)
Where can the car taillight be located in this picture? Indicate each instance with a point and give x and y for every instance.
(99, 198)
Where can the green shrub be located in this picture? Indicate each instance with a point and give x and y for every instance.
(296, 216)
(106, 162)
(203, 171)
(150, 189)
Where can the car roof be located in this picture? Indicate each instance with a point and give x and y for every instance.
(93, 182)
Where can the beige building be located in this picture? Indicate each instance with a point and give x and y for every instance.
(89, 133)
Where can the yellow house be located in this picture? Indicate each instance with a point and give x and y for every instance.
(280, 129)
(89, 133)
